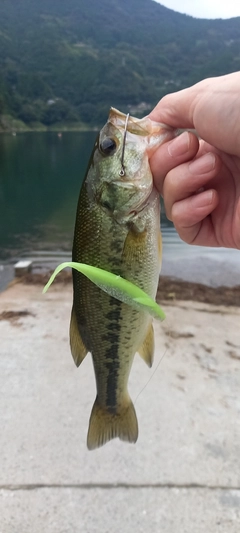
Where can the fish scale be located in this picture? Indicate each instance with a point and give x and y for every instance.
(117, 229)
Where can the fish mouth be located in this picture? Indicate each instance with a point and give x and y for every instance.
(144, 127)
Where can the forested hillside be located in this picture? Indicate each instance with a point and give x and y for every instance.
(69, 60)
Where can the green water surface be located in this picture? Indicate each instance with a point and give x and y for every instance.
(40, 179)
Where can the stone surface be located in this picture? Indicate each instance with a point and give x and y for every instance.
(165, 510)
(183, 474)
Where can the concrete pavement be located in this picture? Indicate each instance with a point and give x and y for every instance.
(183, 474)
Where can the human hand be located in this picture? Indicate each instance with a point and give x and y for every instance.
(200, 179)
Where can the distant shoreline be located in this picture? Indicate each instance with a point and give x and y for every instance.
(56, 129)
(13, 126)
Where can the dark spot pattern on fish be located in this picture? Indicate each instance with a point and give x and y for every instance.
(127, 337)
(114, 302)
(113, 315)
(112, 355)
(116, 246)
(110, 336)
(116, 265)
(113, 368)
(114, 326)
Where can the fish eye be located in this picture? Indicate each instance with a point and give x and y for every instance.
(108, 146)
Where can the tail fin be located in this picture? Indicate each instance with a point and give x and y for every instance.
(104, 425)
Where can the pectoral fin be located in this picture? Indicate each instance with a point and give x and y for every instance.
(78, 349)
(134, 244)
(146, 350)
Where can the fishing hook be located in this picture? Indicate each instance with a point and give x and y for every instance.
(122, 171)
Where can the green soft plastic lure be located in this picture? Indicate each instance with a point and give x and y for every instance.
(116, 286)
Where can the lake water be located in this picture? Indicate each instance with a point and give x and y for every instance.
(40, 179)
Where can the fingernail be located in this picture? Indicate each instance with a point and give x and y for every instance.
(203, 165)
(180, 145)
(203, 199)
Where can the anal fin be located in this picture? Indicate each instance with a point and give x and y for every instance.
(78, 349)
(105, 425)
(146, 350)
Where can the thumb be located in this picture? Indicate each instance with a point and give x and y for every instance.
(211, 107)
(174, 109)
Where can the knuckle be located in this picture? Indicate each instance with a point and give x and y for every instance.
(166, 100)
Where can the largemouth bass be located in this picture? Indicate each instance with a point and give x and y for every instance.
(117, 229)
